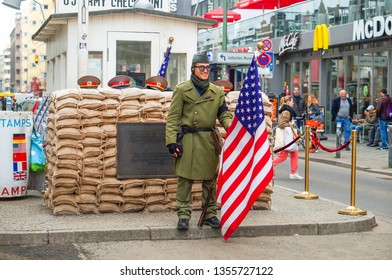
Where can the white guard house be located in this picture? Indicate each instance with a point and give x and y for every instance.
(117, 42)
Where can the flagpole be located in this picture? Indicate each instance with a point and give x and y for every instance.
(224, 38)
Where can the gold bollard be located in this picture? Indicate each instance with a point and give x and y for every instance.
(306, 194)
(352, 209)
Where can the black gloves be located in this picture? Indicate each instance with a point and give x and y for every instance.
(175, 149)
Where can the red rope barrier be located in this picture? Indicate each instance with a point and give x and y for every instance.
(330, 150)
(288, 145)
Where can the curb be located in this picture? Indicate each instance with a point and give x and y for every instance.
(356, 224)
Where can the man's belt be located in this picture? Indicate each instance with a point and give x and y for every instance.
(187, 129)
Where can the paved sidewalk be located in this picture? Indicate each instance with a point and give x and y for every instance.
(28, 221)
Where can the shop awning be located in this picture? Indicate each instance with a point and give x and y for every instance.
(217, 14)
(266, 4)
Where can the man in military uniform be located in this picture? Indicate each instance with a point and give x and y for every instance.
(89, 82)
(195, 106)
(120, 81)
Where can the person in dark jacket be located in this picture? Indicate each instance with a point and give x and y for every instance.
(381, 112)
(195, 107)
(299, 105)
(342, 111)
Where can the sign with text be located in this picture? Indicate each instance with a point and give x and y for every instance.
(244, 58)
(142, 152)
(71, 6)
(15, 131)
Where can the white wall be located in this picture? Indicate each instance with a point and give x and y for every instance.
(65, 43)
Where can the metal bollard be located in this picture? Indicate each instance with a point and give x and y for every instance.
(338, 138)
(390, 146)
(353, 209)
(306, 194)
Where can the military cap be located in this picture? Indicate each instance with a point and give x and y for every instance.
(224, 84)
(89, 82)
(156, 82)
(120, 81)
(200, 58)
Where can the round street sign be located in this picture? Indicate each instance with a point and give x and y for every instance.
(267, 45)
(264, 59)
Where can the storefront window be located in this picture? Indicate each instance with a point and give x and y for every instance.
(380, 74)
(296, 75)
(305, 79)
(315, 77)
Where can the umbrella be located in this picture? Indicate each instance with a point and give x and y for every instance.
(217, 14)
(266, 4)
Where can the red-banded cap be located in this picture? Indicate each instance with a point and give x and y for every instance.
(120, 81)
(89, 82)
(157, 82)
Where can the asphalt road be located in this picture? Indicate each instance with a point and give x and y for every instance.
(373, 192)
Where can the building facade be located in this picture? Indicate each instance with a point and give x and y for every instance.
(356, 54)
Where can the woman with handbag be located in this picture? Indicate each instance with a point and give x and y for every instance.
(286, 119)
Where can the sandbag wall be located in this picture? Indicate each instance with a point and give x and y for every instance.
(81, 152)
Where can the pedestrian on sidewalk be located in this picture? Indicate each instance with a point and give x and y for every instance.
(299, 106)
(287, 118)
(342, 111)
(381, 111)
(371, 119)
(196, 105)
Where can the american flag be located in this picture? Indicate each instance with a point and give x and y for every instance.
(246, 165)
(165, 63)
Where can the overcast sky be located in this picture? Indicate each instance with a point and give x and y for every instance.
(7, 16)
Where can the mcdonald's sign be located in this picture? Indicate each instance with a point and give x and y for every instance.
(321, 37)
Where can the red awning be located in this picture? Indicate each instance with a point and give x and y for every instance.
(217, 14)
(266, 4)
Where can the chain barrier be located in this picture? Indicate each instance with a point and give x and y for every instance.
(288, 145)
(330, 150)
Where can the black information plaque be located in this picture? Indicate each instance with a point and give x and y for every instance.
(142, 152)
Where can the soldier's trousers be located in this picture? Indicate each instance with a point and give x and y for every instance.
(183, 198)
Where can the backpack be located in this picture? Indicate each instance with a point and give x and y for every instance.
(389, 111)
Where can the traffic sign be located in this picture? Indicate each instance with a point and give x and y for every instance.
(264, 59)
(267, 45)
(243, 58)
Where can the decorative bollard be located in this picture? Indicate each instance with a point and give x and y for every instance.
(306, 194)
(353, 209)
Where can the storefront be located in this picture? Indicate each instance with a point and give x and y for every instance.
(357, 58)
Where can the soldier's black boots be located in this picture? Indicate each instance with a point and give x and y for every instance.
(183, 224)
(212, 222)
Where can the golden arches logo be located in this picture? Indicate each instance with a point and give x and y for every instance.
(321, 37)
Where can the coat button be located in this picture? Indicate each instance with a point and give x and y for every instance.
(194, 122)
(195, 113)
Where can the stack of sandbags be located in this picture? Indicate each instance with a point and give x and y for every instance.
(64, 152)
(157, 199)
(82, 152)
(153, 102)
(134, 195)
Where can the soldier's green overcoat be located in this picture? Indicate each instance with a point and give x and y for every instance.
(199, 159)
